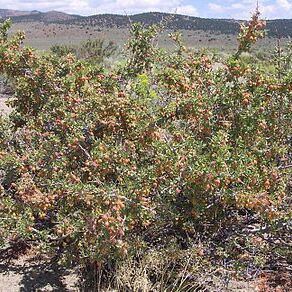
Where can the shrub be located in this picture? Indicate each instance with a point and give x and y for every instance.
(62, 50)
(93, 159)
(94, 51)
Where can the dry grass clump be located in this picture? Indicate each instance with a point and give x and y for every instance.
(170, 269)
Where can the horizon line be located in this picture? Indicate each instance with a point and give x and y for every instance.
(133, 14)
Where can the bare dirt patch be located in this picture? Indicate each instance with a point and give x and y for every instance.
(30, 275)
(21, 271)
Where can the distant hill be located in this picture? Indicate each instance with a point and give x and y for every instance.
(172, 21)
(37, 16)
(276, 28)
(5, 13)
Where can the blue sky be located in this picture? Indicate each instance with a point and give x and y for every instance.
(239, 9)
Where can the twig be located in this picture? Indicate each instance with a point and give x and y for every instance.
(285, 166)
(85, 152)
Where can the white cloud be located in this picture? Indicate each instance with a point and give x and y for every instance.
(89, 7)
(217, 8)
(242, 9)
(239, 9)
(187, 10)
(285, 4)
(41, 5)
(136, 6)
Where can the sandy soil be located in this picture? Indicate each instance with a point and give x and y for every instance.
(28, 274)
(42, 36)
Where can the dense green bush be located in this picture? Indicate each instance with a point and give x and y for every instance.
(91, 160)
(92, 50)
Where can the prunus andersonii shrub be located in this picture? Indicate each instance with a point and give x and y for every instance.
(90, 159)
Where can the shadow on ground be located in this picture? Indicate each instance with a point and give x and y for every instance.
(36, 277)
(25, 273)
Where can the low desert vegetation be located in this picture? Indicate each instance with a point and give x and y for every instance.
(92, 50)
(169, 172)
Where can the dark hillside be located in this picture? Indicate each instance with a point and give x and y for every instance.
(280, 28)
(275, 28)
